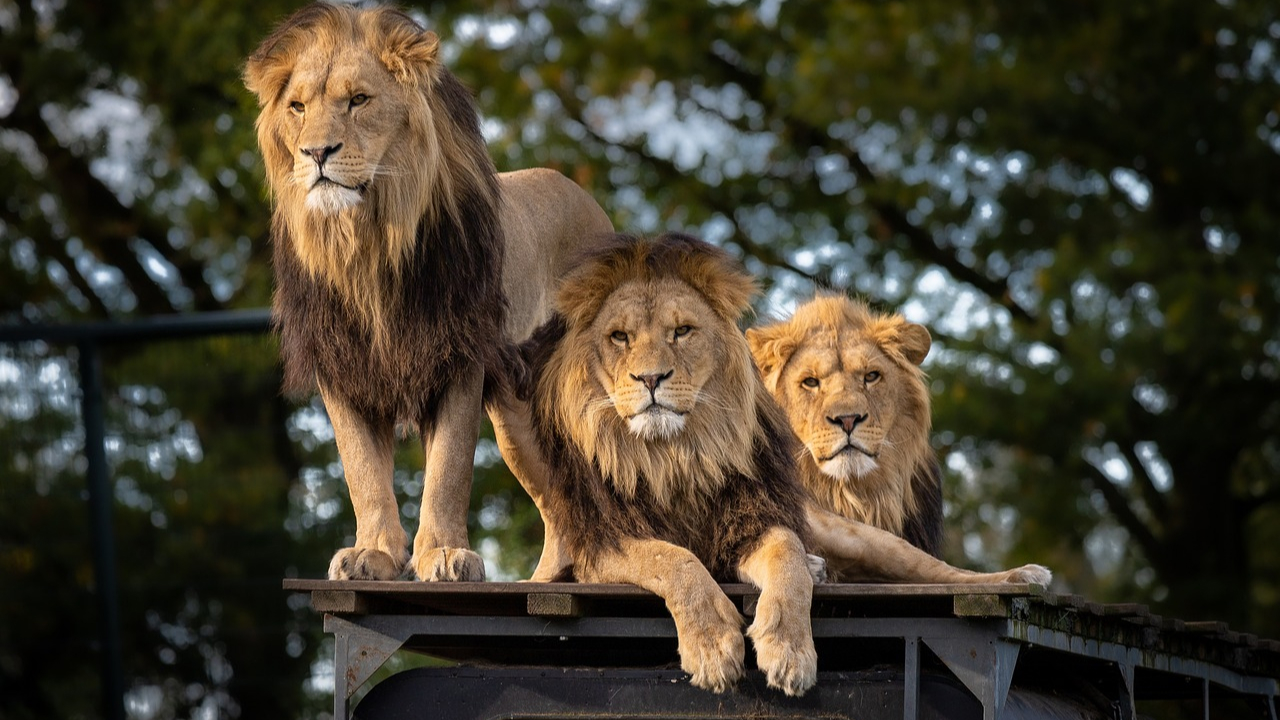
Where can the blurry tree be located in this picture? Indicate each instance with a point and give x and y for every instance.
(1077, 198)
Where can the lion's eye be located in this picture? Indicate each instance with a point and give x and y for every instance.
(683, 330)
(297, 107)
(810, 382)
(619, 337)
(871, 377)
(359, 99)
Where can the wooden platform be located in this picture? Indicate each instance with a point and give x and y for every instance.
(980, 633)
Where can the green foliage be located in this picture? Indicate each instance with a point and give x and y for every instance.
(1077, 199)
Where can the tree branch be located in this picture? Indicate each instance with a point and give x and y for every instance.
(895, 219)
(57, 249)
(1120, 508)
(97, 216)
(1150, 495)
(704, 193)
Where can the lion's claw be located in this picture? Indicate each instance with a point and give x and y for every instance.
(364, 564)
(448, 565)
(1033, 574)
(711, 645)
(786, 654)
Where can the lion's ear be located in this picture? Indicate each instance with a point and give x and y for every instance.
(771, 347)
(915, 342)
(267, 71)
(410, 52)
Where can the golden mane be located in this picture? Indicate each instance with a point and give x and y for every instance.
(437, 170)
(889, 495)
(687, 468)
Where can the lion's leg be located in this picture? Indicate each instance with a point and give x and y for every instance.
(512, 426)
(366, 452)
(440, 549)
(861, 552)
(708, 626)
(782, 633)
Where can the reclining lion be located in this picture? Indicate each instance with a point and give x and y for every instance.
(402, 262)
(850, 382)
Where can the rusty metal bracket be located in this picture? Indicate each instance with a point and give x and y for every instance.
(358, 653)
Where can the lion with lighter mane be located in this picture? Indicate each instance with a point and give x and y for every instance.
(403, 265)
(850, 382)
(672, 468)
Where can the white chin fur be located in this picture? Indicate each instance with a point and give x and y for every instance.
(849, 464)
(331, 199)
(656, 424)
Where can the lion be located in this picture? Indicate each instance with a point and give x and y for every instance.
(673, 468)
(850, 382)
(404, 268)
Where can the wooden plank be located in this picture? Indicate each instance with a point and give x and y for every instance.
(1212, 627)
(981, 606)
(409, 587)
(555, 605)
(340, 602)
(1075, 602)
(1123, 610)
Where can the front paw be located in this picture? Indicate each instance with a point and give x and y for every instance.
(1033, 574)
(712, 647)
(448, 565)
(787, 656)
(365, 564)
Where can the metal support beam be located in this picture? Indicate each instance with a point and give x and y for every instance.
(1128, 709)
(101, 501)
(981, 663)
(911, 680)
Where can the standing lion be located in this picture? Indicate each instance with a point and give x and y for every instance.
(403, 264)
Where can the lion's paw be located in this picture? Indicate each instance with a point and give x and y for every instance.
(712, 646)
(365, 564)
(448, 565)
(1033, 574)
(788, 658)
(817, 568)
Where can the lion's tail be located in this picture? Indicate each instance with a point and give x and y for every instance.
(508, 375)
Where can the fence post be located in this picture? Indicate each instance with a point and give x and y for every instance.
(101, 503)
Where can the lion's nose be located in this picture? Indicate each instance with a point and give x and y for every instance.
(652, 380)
(320, 154)
(848, 422)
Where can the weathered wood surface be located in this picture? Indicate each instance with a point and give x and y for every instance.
(1127, 624)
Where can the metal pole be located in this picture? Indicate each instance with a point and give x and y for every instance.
(911, 680)
(101, 501)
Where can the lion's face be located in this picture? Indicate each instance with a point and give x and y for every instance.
(653, 379)
(346, 116)
(658, 343)
(339, 117)
(849, 383)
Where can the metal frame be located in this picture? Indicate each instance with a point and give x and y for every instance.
(89, 338)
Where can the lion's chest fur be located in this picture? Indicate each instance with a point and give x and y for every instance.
(719, 522)
(442, 317)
